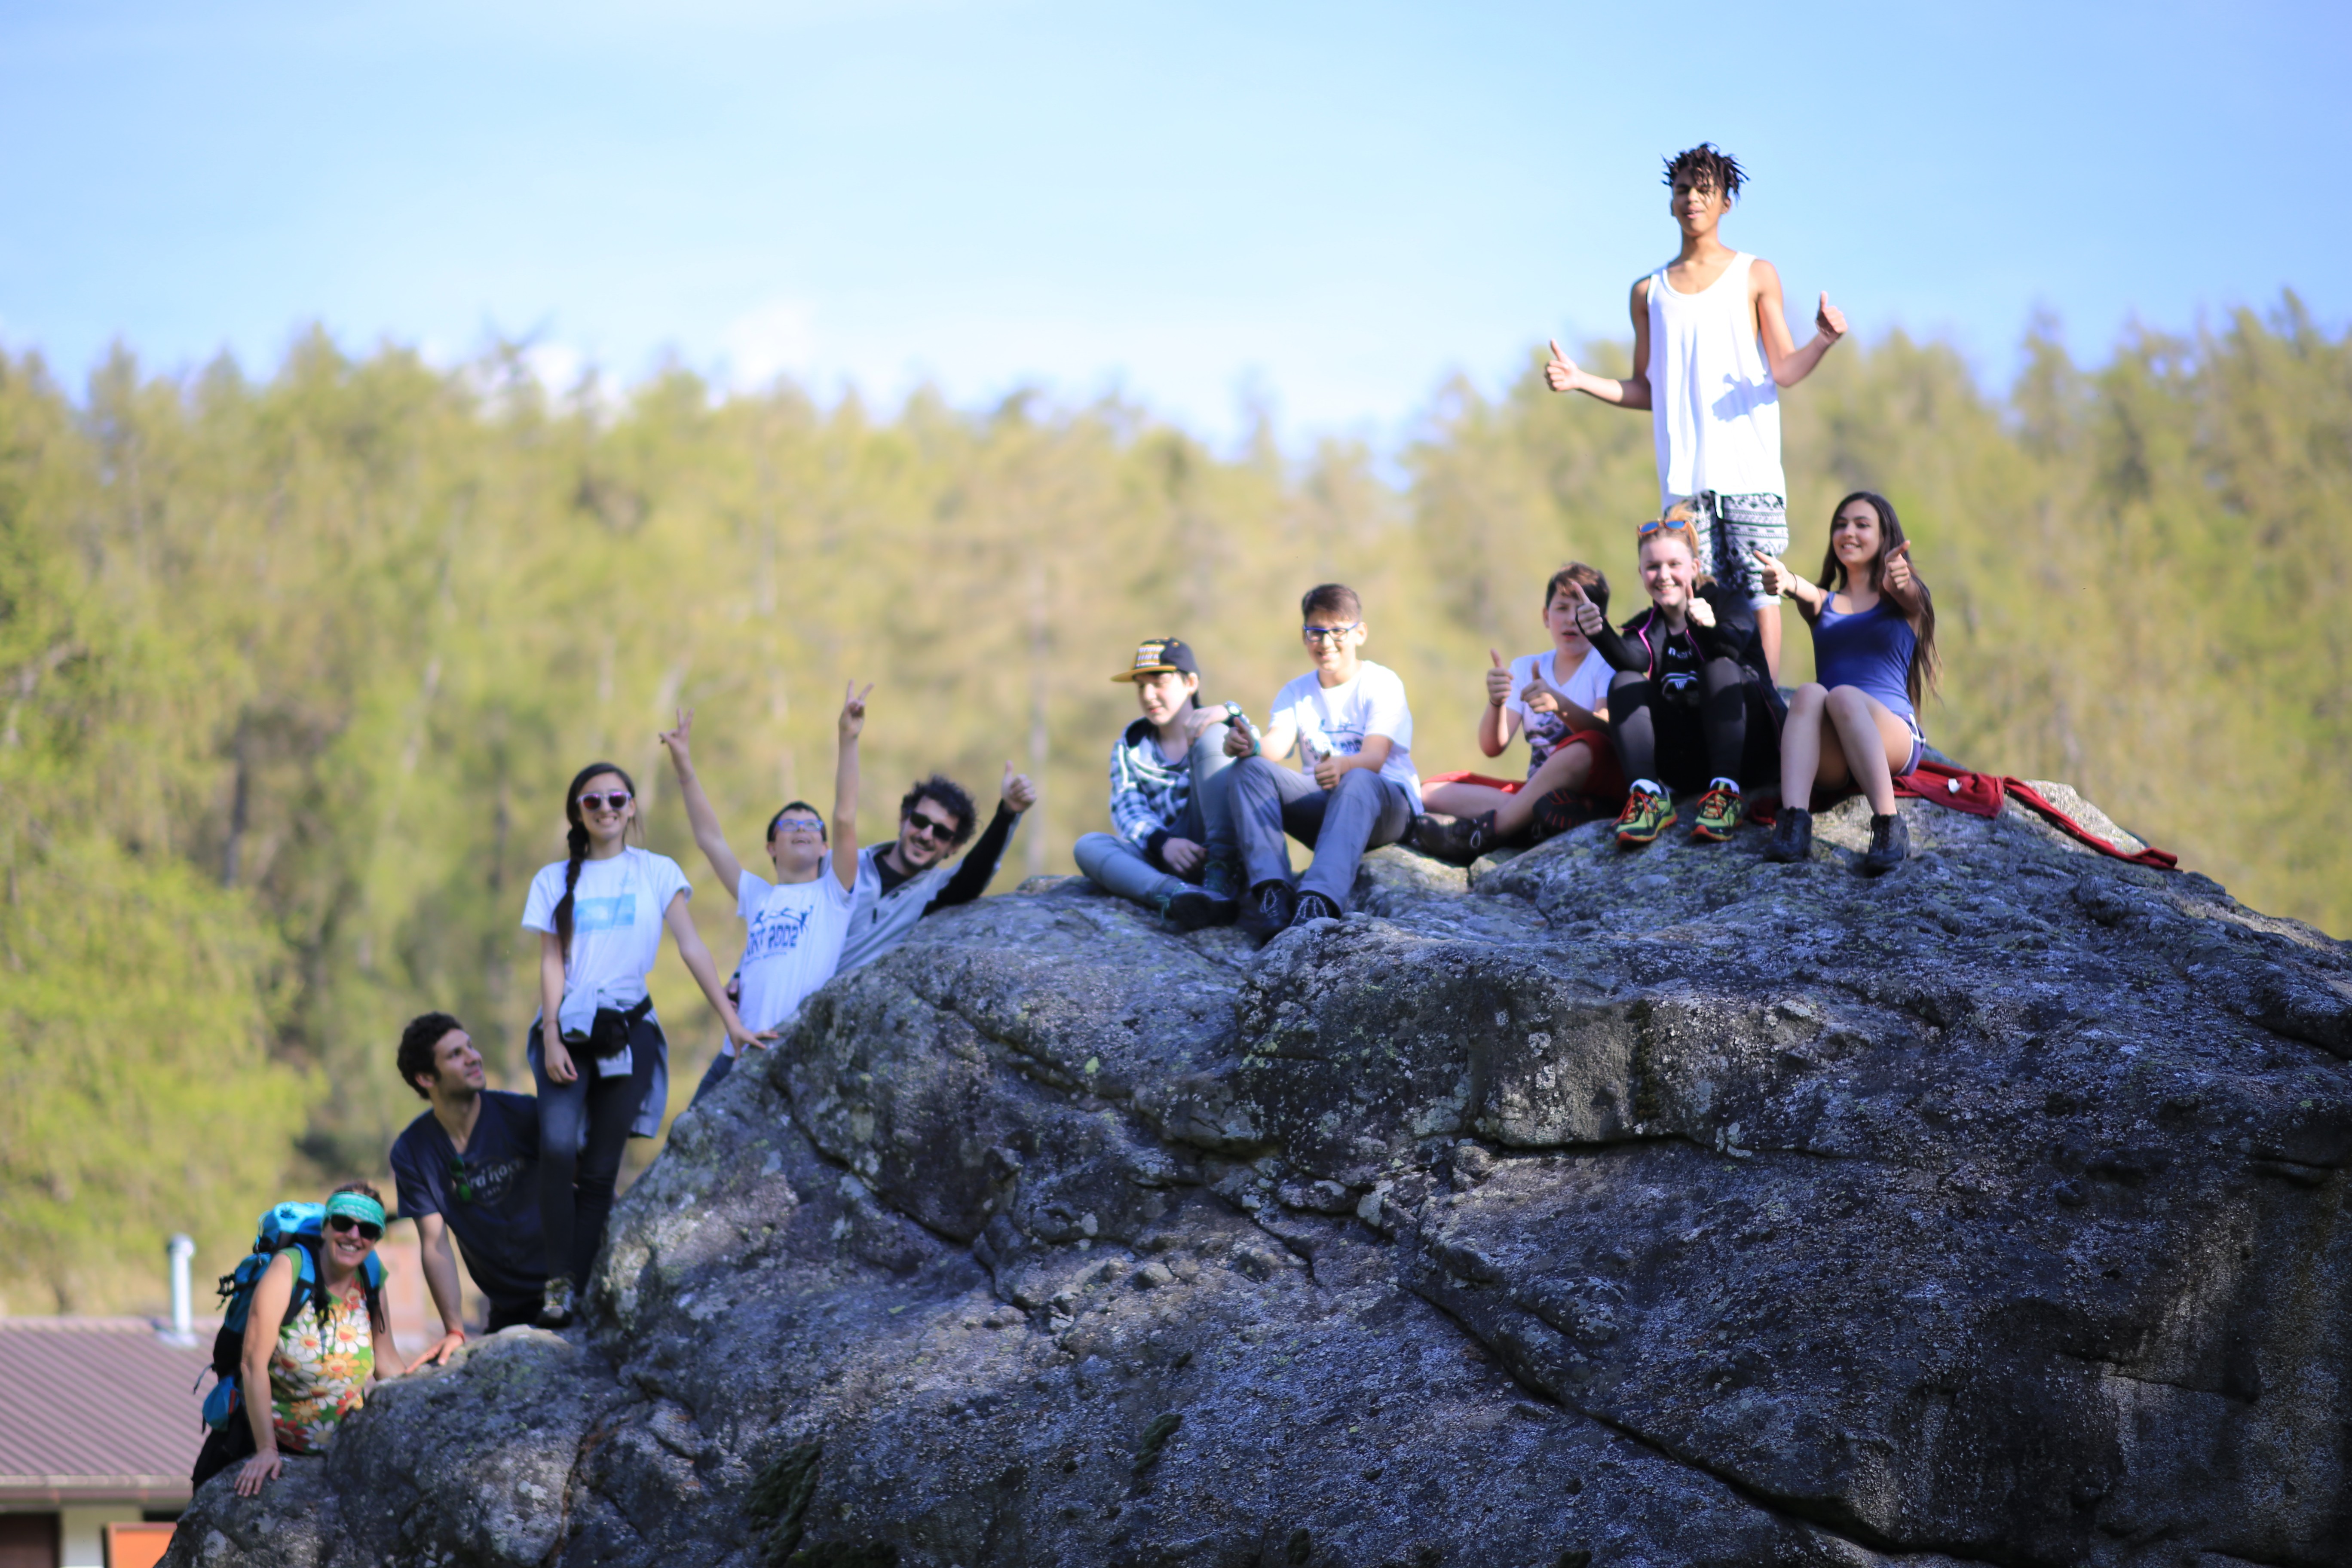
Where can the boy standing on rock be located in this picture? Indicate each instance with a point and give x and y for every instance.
(1353, 730)
(1711, 351)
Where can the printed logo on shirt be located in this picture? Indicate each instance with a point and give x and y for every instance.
(775, 934)
(605, 914)
(1345, 740)
(488, 1184)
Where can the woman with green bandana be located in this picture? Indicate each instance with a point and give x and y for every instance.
(308, 1362)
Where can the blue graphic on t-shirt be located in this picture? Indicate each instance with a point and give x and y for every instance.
(605, 914)
(776, 933)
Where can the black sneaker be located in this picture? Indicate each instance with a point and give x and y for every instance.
(1221, 880)
(1188, 910)
(1792, 837)
(1890, 845)
(1267, 909)
(1314, 907)
(555, 1306)
(1456, 840)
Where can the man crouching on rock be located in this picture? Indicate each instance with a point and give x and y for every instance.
(469, 1167)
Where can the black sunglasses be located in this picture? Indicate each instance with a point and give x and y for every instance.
(344, 1225)
(617, 800)
(930, 826)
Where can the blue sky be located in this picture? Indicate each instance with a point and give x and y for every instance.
(1325, 208)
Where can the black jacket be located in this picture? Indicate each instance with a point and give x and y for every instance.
(1634, 646)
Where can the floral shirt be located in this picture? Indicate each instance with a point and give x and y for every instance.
(319, 1372)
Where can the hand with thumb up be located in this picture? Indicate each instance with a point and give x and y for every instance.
(1499, 681)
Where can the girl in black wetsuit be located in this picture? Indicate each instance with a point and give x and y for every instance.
(1873, 626)
(1691, 705)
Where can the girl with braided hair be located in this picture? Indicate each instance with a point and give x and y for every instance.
(597, 1052)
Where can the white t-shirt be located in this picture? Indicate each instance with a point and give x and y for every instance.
(1336, 718)
(793, 945)
(1587, 687)
(616, 921)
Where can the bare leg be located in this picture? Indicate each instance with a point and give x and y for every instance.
(1462, 799)
(1567, 768)
(1800, 747)
(1874, 743)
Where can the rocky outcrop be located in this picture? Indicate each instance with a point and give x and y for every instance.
(1669, 1207)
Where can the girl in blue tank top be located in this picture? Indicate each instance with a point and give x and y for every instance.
(1857, 722)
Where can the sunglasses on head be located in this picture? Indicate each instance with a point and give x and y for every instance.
(1328, 634)
(615, 801)
(930, 826)
(344, 1225)
(1643, 529)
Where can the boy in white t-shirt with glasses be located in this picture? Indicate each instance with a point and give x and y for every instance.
(1711, 352)
(1349, 719)
(795, 924)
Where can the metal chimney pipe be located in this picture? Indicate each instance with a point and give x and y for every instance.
(183, 1333)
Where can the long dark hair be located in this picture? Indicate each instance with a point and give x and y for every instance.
(576, 840)
(1921, 677)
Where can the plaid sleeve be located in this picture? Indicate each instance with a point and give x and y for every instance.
(1133, 804)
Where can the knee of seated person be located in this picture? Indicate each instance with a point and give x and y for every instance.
(1851, 698)
(1626, 680)
(1355, 781)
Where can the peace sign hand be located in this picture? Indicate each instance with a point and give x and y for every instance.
(679, 740)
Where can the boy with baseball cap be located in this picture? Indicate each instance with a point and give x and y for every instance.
(1170, 798)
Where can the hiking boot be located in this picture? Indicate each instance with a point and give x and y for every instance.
(1890, 845)
(1269, 909)
(555, 1306)
(1645, 818)
(1188, 910)
(1314, 907)
(1792, 837)
(1719, 811)
(1455, 839)
(1221, 880)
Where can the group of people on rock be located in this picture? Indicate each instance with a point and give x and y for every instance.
(1682, 697)
(523, 1184)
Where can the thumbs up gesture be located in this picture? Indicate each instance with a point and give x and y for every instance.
(1828, 319)
(1499, 681)
(1774, 574)
(1019, 790)
(1587, 614)
(1702, 614)
(1561, 374)
(1895, 572)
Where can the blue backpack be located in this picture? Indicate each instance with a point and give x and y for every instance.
(283, 1226)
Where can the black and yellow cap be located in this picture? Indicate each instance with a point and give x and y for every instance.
(1157, 656)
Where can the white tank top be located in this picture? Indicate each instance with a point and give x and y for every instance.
(1714, 407)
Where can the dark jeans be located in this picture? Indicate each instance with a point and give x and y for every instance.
(506, 1314)
(1269, 800)
(1732, 732)
(224, 1446)
(583, 1127)
(712, 1077)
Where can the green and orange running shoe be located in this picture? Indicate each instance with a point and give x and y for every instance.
(1719, 813)
(1645, 818)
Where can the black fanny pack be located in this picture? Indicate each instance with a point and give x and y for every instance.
(608, 1035)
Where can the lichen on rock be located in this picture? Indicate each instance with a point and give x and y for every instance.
(1587, 1208)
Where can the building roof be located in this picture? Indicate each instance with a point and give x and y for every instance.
(98, 1410)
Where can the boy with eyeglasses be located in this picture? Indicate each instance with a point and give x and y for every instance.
(900, 882)
(795, 923)
(1350, 724)
(468, 1167)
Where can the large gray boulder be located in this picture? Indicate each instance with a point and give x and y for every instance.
(1590, 1207)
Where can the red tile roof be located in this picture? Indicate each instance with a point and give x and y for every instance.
(98, 1409)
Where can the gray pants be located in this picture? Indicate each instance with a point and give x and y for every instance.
(1269, 800)
(1114, 865)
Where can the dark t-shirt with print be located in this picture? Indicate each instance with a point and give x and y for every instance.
(495, 1217)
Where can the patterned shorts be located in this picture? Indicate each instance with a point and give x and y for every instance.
(1727, 527)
